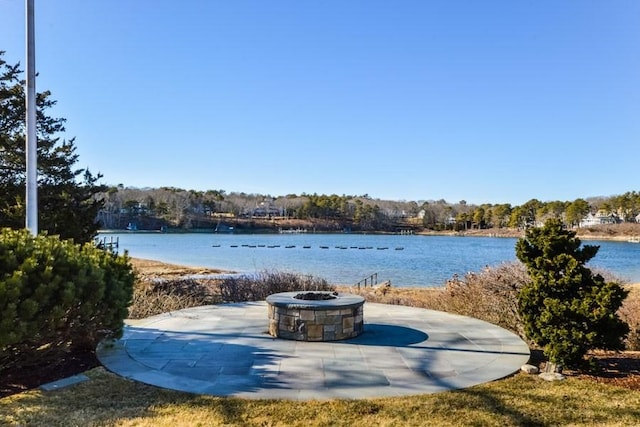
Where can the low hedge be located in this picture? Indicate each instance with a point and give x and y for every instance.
(56, 295)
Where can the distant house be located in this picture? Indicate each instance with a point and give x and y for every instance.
(266, 209)
(599, 218)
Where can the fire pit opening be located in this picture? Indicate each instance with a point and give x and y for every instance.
(316, 296)
(315, 316)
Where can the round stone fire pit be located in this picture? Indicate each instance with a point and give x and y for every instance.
(315, 315)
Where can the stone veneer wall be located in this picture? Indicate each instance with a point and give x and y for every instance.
(315, 324)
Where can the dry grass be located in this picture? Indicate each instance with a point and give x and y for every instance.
(630, 313)
(163, 287)
(108, 400)
(489, 295)
(260, 286)
(151, 297)
(147, 268)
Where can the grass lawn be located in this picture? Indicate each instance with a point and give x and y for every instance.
(108, 400)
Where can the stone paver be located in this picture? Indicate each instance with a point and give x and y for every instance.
(64, 382)
(225, 350)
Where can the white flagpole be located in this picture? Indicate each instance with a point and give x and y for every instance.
(31, 142)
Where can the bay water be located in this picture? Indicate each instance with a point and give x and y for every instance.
(405, 260)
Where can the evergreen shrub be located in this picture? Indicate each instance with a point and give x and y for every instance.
(566, 308)
(56, 295)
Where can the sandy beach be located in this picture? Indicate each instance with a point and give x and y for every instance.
(149, 267)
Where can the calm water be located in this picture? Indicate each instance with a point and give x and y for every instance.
(348, 258)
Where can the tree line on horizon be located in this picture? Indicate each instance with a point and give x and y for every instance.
(153, 208)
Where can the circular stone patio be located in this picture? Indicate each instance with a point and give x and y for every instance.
(225, 350)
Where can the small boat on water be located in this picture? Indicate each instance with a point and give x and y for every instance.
(399, 248)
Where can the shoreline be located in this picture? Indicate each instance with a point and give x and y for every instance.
(490, 233)
(516, 234)
(147, 268)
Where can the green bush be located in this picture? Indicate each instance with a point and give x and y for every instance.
(56, 295)
(566, 308)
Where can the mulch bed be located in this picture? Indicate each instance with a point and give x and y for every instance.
(620, 369)
(14, 381)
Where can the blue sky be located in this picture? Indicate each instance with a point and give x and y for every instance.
(486, 101)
